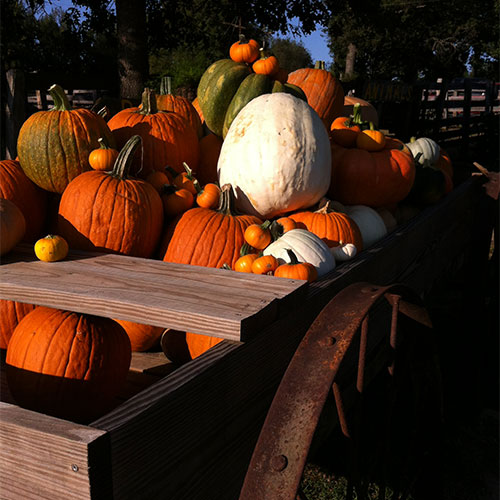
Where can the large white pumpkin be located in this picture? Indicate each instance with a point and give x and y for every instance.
(276, 155)
(306, 246)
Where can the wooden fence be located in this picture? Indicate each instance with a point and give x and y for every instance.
(458, 114)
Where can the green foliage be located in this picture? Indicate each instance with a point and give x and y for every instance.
(184, 65)
(405, 40)
(291, 55)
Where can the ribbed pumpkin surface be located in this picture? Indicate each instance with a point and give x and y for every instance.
(66, 364)
(142, 337)
(54, 146)
(29, 198)
(331, 227)
(167, 139)
(182, 106)
(323, 91)
(181, 347)
(101, 212)
(11, 313)
(204, 237)
(375, 179)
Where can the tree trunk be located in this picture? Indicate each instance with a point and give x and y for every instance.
(15, 110)
(349, 62)
(132, 53)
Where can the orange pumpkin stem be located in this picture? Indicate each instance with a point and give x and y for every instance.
(59, 97)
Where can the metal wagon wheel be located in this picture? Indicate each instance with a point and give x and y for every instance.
(370, 355)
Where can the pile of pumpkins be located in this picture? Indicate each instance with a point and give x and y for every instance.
(264, 172)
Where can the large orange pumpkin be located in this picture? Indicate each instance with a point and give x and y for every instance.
(54, 146)
(181, 347)
(167, 101)
(142, 337)
(167, 137)
(11, 313)
(331, 226)
(323, 91)
(66, 364)
(206, 237)
(111, 212)
(376, 179)
(29, 198)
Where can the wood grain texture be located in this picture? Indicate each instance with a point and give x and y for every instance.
(225, 304)
(47, 458)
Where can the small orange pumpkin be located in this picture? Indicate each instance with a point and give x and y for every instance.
(142, 337)
(104, 157)
(370, 139)
(296, 270)
(244, 51)
(51, 248)
(208, 196)
(287, 223)
(176, 200)
(244, 263)
(266, 64)
(258, 235)
(266, 264)
(158, 179)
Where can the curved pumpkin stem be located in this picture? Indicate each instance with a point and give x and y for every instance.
(227, 202)
(124, 160)
(60, 98)
(293, 257)
(319, 65)
(356, 114)
(103, 143)
(166, 85)
(148, 103)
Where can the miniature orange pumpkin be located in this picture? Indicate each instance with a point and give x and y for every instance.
(244, 51)
(266, 264)
(296, 270)
(51, 248)
(258, 235)
(209, 196)
(104, 157)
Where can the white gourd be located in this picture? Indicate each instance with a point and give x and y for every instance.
(370, 223)
(276, 155)
(428, 148)
(306, 246)
(344, 251)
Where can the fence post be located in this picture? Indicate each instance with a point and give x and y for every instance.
(15, 111)
(466, 114)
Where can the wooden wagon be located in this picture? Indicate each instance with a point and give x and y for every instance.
(188, 432)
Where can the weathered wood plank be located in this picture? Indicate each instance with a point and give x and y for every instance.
(189, 298)
(46, 458)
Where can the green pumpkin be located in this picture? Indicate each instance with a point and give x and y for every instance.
(226, 87)
(54, 146)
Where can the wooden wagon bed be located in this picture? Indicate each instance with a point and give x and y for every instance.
(188, 432)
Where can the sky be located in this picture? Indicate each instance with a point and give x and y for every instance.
(317, 45)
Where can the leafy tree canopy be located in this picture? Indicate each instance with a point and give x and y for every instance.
(408, 39)
(291, 55)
